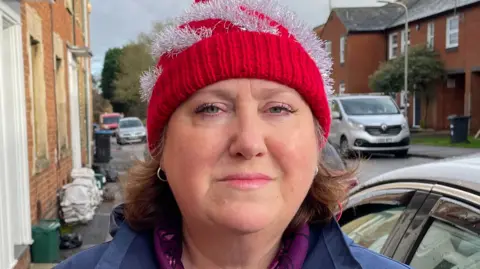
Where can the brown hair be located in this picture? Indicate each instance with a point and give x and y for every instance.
(147, 198)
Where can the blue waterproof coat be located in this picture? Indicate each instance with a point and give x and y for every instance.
(329, 248)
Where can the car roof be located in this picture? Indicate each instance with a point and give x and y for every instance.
(129, 118)
(360, 96)
(463, 172)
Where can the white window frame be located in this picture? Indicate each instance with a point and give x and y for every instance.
(449, 32)
(15, 223)
(402, 49)
(431, 35)
(328, 46)
(342, 49)
(392, 45)
(341, 88)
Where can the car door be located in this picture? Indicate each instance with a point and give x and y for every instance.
(377, 217)
(448, 236)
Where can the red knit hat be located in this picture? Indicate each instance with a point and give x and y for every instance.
(217, 40)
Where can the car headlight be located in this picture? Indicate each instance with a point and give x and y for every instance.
(356, 125)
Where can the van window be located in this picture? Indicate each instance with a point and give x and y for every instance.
(369, 106)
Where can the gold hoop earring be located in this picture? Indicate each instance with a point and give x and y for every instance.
(161, 175)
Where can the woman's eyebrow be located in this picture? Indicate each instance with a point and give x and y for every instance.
(217, 92)
(266, 93)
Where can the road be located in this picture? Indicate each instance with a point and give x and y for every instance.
(372, 167)
(377, 165)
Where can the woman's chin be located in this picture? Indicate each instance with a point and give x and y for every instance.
(248, 218)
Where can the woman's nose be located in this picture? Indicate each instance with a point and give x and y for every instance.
(248, 139)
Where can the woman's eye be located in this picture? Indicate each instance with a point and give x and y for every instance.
(208, 109)
(280, 109)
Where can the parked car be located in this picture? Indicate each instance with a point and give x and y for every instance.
(427, 216)
(368, 124)
(130, 130)
(110, 121)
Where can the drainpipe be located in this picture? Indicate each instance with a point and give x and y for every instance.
(87, 86)
(74, 18)
(54, 60)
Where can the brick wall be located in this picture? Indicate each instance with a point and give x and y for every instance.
(332, 31)
(359, 65)
(45, 183)
(462, 60)
(365, 51)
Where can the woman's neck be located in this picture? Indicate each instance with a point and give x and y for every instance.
(215, 249)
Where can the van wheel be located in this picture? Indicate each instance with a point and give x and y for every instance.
(344, 148)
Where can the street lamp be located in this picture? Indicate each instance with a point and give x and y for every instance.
(405, 87)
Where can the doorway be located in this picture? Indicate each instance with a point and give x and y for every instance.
(417, 110)
(74, 112)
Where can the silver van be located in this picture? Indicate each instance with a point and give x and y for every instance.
(368, 124)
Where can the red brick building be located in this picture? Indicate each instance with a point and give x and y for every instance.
(49, 113)
(361, 38)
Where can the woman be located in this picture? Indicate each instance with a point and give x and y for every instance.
(238, 115)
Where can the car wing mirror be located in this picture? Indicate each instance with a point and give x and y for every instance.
(336, 115)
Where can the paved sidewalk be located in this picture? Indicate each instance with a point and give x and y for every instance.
(433, 152)
(97, 230)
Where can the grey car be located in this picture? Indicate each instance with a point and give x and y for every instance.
(369, 124)
(130, 130)
(426, 216)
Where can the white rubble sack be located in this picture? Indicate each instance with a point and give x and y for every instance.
(81, 197)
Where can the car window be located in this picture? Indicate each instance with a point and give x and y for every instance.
(130, 123)
(372, 230)
(369, 106)
(447, 247)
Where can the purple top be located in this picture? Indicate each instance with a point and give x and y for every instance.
(292, 253)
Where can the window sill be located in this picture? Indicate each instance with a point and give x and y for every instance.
(19, 250)
(451, 49)
(64, 152)
(41, 164)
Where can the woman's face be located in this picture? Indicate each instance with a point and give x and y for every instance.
(241, 154)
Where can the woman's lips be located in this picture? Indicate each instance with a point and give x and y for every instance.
(246, 181)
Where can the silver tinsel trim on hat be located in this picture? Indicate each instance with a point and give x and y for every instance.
(229, 10)
(173, 39)
(147, 82)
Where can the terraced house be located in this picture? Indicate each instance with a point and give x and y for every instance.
(45, 113)
(361, 38)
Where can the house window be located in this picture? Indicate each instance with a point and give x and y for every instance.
(452, 31)
(392, 46)
(61, 97)
(37, 89)
(328, 46)
(341, 88)
(402, 49)
(430, 35)
(342, 49)
(61, 107)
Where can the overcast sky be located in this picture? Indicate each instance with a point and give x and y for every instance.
(115, 22)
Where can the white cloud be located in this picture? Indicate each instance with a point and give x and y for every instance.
(115, 22)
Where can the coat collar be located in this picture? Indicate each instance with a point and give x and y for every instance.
(328, 249)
